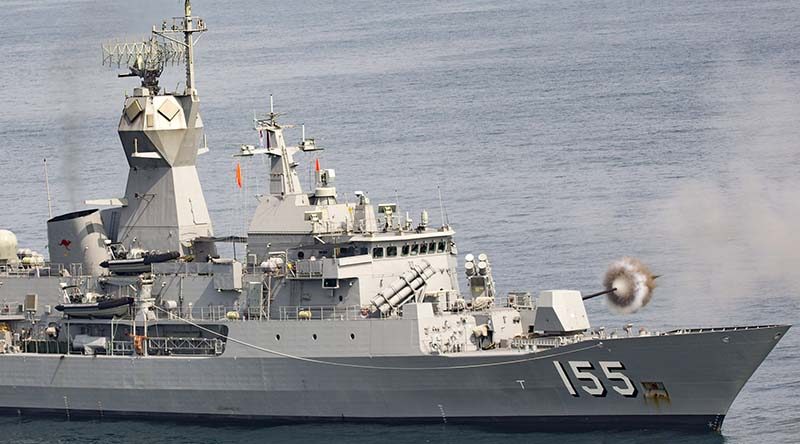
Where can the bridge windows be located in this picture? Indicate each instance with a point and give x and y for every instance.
(345, 251)
(411, 249)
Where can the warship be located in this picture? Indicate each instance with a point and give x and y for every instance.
(338, 311)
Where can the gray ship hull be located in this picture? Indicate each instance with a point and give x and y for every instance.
(685, 381)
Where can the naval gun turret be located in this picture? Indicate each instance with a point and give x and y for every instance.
(628, 286)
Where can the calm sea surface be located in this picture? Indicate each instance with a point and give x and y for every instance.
(562, 135)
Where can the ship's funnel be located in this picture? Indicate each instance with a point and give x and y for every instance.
(629, 284)
(77, 240)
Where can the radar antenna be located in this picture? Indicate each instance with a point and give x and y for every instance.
(147, 59)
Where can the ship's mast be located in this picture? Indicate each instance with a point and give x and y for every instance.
(186, 25)
(283, 175)
(188, 41)
(161, 133)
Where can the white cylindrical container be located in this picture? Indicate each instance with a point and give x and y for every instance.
(469, 268)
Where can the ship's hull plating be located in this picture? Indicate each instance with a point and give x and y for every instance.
(685, 381)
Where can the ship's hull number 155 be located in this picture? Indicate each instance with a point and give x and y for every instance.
(584, 375)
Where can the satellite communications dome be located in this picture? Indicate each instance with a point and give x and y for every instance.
(8, 246)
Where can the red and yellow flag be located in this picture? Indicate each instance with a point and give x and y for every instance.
(239, 175)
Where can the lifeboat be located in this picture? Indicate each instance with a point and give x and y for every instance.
(138, 265)
(105, 309)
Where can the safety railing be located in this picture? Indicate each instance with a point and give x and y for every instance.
(168, 346)
(207, 313)
(306, 268)
(332, 313)
(11, 308)
(45, 269)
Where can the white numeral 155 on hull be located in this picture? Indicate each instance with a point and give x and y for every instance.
(583, 371)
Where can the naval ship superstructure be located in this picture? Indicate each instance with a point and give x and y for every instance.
(339, 311)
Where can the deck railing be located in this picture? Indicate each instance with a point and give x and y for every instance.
(331, 313)
(44, 270)
(285, 313)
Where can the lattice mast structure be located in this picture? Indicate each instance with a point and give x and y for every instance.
(146, 59)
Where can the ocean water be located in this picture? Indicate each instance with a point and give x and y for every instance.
(561, 135)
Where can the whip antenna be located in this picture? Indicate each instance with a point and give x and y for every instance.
(441, 205)
(47, 188)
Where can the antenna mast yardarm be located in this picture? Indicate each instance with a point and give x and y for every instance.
(147, 59)
(186, 25)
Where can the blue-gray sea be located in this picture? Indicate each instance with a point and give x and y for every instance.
(561, 134)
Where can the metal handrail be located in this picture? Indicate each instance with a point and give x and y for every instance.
(331, 313)
(285, 313)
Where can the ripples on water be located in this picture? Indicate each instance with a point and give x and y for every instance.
(563, 135)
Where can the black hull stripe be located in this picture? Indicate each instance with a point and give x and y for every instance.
(689, 423)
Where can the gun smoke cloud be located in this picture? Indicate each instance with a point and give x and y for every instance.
(737, 228)
(630, 284)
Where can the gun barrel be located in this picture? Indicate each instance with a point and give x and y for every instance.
(599, 293)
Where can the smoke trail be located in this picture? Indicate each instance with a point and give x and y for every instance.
(632, 283)
(71, 169)
(737, 229)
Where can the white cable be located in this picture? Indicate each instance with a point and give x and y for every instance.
(373, 367)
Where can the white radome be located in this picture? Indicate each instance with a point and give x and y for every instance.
(8, 246)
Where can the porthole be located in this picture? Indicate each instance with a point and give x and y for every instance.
(352, 335)
(277, 337)
(314, 336)
(341, 298)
